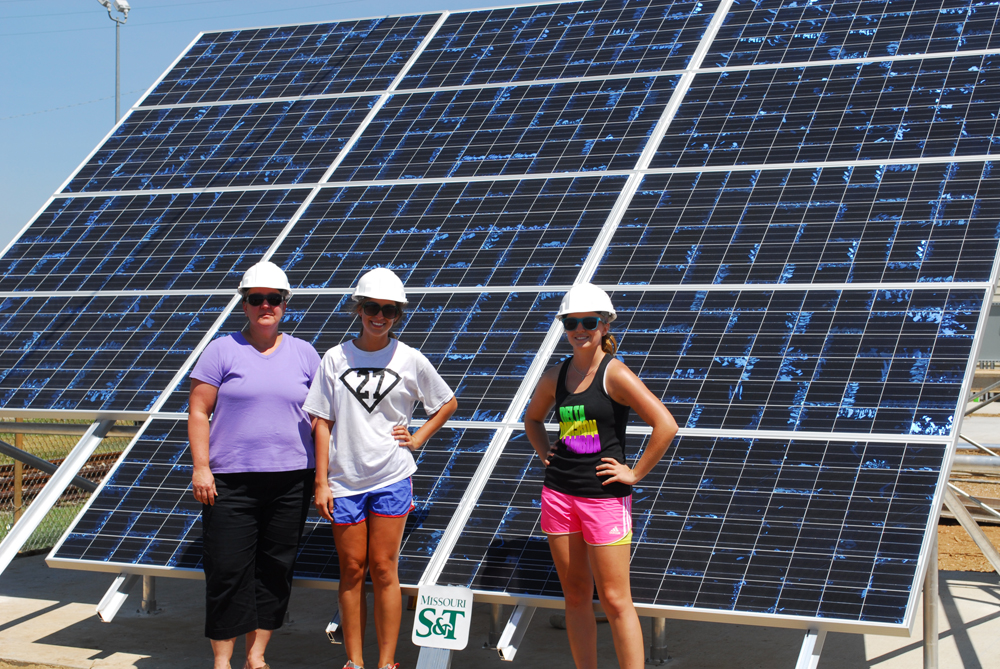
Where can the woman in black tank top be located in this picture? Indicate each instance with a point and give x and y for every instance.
(593, 393)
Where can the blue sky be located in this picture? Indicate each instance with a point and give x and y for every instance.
(57, 82)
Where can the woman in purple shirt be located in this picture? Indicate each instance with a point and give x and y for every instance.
(253, 467)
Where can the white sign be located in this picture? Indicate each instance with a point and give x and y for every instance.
(443, 617)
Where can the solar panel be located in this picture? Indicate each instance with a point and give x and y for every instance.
(201, 240)
(791, 205)
(223, 146)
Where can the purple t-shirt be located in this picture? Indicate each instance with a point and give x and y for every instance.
(258, 424)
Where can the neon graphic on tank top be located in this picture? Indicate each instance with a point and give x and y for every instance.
(579, 434)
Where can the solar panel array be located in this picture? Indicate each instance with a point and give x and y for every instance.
(791, 204)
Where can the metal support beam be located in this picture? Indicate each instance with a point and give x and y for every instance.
(977, 445)
(931, 606)
(50, 494)
(334, 632)
(985, 507)
(658, 643)
(20, 456)
(963, 516)
(148, 604)
(64, 429)
(976, 464)
(496, 626)
(812, 646)
(434, 658)
(513, 633)
(116, 596)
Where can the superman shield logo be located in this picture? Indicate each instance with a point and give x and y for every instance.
(370, 386)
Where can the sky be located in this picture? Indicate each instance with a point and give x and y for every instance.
(57, 81)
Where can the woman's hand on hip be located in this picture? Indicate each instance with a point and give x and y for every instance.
(616, 471)
(203, 485)
(402, 435)
(323, 499)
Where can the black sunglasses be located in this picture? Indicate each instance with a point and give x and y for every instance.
(589, 322)
(390, 311)
(257, 299)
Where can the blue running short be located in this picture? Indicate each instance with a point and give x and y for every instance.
(392, 501)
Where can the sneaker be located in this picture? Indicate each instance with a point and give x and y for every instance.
(351, 665)
(390, 666)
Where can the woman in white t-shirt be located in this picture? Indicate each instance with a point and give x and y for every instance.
(363, 397)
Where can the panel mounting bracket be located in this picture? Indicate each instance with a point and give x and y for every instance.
(514, 632)
(812, 646)
(116, 596)
(334, 632)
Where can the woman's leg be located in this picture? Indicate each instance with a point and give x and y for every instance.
(384, 537)
(256, 645)
(222, 650)
(569, 552)
(610, 565)
(352, 551)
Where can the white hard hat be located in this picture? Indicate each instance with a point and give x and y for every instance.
(265, 274)
(585, 297)
(380, 284)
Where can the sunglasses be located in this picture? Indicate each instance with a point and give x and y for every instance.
(589, 322)
(390, 311)
(257, 299)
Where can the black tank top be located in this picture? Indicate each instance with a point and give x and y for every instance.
(591, 427)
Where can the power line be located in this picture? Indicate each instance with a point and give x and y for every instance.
(75, 104)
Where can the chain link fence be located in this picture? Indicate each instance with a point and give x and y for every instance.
(20, 483)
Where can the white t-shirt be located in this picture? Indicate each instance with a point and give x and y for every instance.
(366, 395)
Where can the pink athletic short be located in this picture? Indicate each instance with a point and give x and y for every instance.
(603, 522)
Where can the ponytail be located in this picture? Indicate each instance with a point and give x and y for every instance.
(609, 344)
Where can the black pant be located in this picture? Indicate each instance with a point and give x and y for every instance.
(251, 536)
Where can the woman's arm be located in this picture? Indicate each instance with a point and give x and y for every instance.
(427, 430)
(626, 388)
(201, 404)
(534, 416)
(321, 486)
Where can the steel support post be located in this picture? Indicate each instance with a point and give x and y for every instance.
(658, 643)
(18, 476)
(812, 646)
(118, 71)
(514, 632)
(47, 498)
(496, 626)
(116, 596)
(148, 605)
(969, 524)
(931, 606)
(333, 630)
(434, 658)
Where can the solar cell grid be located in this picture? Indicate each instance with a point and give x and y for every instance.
(481, 343)
(147, 242)
(285, 61)
(785, 31)
(567, 127)
(797, 528)
(570, 39)
(223, 146)
(510, 233)
(878, 223)
(145, 514)
(97, 353)
(886, 361)
(871, 111)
